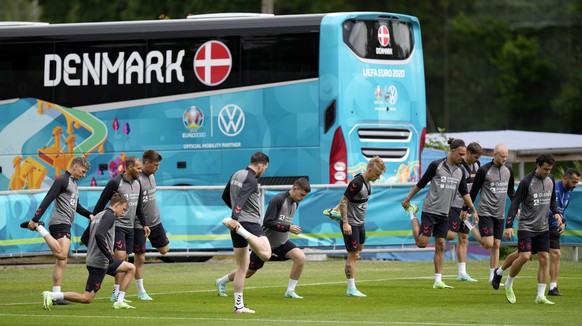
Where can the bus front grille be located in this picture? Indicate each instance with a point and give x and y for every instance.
(384, 134)
(385, 153)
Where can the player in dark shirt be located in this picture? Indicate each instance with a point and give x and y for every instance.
(65, 194)
(536, 195)
(99, 240)
(241, 194)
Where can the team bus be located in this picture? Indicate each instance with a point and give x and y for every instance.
(320, 94)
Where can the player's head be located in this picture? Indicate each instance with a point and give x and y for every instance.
(474, 152)
(79, 167)
(118, 204)
(500, 154)
(132, 167)
(544, 164)
(151, 161)
(571, 179)
(458, 150)
(375, 168)
(259, 162)
(300, 189)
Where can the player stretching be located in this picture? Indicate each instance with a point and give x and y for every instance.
(446, 179)
(99, 238)
(353, 207)
(241, 194)
(65, 193)
(277, 226)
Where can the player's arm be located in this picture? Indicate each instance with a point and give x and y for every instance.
(553, 206)
(522, 190)
(56, 188)
(249, 186)
(426, 177)
(226, 195)
(106, 195)
(271, 220)
(83, 211)
(103, 227)
(511, 184)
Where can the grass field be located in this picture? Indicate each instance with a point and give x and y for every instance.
(399, 293)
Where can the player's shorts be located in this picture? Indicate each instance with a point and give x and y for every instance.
(533, 241)
(96, 275)
(123, 240)
(555, 238)
(491, 226)
(434, 225)
(60, 231)
(455, 222)
(354, 240)
(253, 228)
(158, 237)
(139, 241)
(278, 255)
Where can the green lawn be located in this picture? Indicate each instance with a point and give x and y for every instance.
(399, 293)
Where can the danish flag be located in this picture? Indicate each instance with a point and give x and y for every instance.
(212, 63)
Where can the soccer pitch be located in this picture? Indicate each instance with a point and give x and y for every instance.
(399, 293)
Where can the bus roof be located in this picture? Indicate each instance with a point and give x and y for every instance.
(160, 28)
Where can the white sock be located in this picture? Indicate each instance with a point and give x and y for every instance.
(56, 295)
(140, 288)
(40, 229)
(56, 288)
(224, 279)
(238, 300)
(438, 277)
(509, 282)
(115, 289)
(468, 224)
(120, 296)
(351, 283)
(541, 290)
(500, 271)
(462, 269)
(412, 215)
(291, 285)
(242, 232)
(491, 274)
(553, 285)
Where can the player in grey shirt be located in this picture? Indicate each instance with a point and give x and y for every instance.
(127, 184)
(158, 238)
(352, 208)
(277, 225)
(65, 194)
(99, 240)
(241, 195)
(536, 195)
(457, 227)
(446, 178)
(495, 181)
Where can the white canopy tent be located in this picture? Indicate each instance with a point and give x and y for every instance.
(524, 146)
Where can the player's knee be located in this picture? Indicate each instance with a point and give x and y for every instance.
(164, 250)
(62, 257)
(451, 235)
(264, 255)
(86, 299)
(300, 259)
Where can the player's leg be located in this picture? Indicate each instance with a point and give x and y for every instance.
(242, 258)
(139, 257)
(123, 247)
(253, 234)
(255, 264)
(94, 281)
(62, 234)
(555, 255)
(440, 229)
(354, 245)
(126, 271)
(159, 239)
(422, 233)
(298, 257)
(541, 247)
(494, 252)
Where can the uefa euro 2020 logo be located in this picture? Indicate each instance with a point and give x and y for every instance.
(193, 118)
